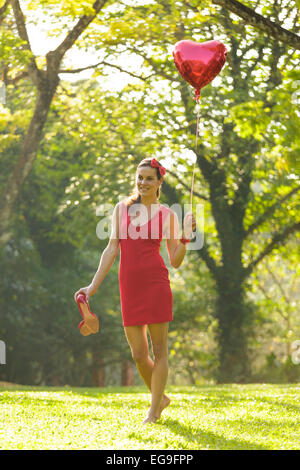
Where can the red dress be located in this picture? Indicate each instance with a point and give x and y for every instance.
(145, 291)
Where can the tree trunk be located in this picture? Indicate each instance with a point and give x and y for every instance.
(46, 82)
(25, 161)
(235, 317)
(127, 375)
(98, 370)
(55, 381)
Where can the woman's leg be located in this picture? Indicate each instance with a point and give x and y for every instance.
(159, 340)
(138, 342)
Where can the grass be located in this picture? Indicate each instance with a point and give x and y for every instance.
(235, 417)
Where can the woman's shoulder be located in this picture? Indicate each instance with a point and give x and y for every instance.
(170, 220)
(168, 213)
(121, 204)
(120, 207)
(166, 209)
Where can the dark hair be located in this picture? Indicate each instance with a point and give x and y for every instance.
(134, 196)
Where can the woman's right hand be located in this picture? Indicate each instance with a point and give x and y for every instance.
(87, 291)
(189, 225)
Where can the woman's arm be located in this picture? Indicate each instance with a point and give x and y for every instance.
(176, 249)
(107, 258)
(110, 252)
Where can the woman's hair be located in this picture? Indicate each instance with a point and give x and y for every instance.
(134, 196)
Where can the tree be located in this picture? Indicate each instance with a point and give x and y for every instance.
(264, 24)
(226, 161)
(238, 146)
(45, 81)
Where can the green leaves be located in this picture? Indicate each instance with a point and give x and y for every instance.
(251, 118)
(97, 132)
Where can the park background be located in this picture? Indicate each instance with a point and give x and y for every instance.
(88, 94)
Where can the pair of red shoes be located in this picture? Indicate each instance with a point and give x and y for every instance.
(90, 323)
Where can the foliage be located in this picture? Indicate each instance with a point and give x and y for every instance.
(93, 139)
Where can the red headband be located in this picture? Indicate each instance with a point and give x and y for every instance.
(155, 164)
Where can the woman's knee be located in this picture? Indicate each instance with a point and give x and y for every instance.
(160, 351)
(140, 355)
(137, 340)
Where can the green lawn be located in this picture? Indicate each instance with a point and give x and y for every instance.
(256, 416)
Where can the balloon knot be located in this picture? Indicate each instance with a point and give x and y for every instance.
(197, 95)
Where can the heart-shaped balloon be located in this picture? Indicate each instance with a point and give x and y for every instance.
(199, 63)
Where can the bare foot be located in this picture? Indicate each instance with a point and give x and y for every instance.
(165, 401)
(151, 419)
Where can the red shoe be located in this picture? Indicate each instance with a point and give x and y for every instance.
(90, 323)
(83, 329)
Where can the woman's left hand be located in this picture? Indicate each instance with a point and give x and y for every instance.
(189, 225)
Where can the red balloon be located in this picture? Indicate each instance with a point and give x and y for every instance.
(199, 63)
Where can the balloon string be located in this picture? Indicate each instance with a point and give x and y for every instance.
(197, 131)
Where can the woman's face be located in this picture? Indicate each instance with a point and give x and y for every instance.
(147, 181)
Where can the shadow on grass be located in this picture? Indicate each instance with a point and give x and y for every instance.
(191, 435)
(199, 439)
(226, 395)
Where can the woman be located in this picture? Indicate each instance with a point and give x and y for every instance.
(145, 293)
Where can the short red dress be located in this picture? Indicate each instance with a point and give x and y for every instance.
(145, 292)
